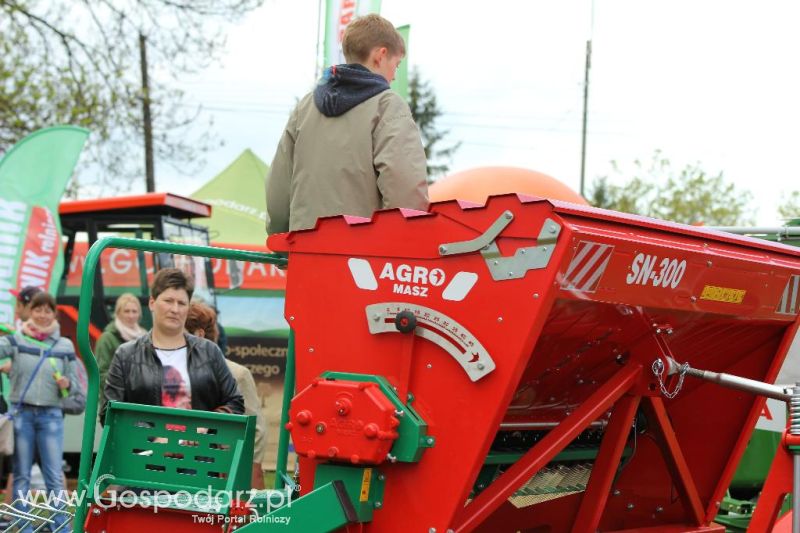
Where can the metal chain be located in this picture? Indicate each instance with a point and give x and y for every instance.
(658, 370)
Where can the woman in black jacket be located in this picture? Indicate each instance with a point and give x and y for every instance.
(167, 366)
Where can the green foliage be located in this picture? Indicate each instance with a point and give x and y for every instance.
(790, 208)
(63, 61)
(689, 195)
(425, 110)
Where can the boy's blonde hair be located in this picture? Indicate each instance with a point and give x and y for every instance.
(368, 32)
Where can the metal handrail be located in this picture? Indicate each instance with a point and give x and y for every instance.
(84, 345)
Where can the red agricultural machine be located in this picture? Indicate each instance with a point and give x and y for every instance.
(524, 365)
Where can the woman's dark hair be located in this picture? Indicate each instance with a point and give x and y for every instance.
(43, 298)
(171, 278)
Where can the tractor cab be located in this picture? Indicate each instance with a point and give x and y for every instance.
(152, 216)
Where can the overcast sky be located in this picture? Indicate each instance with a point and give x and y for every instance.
(714, 81)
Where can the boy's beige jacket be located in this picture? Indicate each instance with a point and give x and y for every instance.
(367, 159)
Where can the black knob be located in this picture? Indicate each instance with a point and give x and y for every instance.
(405, 321)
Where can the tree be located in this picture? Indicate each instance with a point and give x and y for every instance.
(77, 62)
(790, 208)
(425, 110)
(689, 195)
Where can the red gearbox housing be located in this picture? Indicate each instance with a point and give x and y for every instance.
(342, 420)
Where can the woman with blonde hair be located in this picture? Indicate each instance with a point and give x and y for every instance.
(125, 327)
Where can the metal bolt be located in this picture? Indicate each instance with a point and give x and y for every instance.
(381, 477)
(430, 441)
(717, 504)
(311, 350)
(708, 263)
(669, 331)
(399, 412)
(391, 458)
(429, 366)
(509, 215)
(693, 298)
(499, 319)
(510, 274)
(320, 428)
(523, 251)
(553, 229)
(481, 485)
(443, 249)
(378, 505)
(433, 529)
(481, 366)
(659, 509)
(495, 262)
(535, 295)
(96, 511)
(376, 317)
(630, 506)
(291, 318)
(616, 492)
(580, 382)
(544, 248)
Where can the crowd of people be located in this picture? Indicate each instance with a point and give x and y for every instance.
(177, 364)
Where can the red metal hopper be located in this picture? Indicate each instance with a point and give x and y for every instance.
(535, 325)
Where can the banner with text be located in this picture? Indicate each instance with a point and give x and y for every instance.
(33, 176)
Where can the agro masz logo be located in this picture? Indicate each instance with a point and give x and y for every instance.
(411, 280)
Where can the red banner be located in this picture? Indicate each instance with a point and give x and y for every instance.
(40, 249)
(120, 268)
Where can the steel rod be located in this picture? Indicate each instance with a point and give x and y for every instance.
(775, 392)
(509, 426)
(796, 494)
(786, 231)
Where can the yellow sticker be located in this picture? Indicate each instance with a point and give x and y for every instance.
(366, 479)
(723, 294)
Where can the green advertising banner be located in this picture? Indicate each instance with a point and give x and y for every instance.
(33, 176)
(338, 14)
(400, 83)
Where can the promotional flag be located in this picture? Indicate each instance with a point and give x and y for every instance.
(33, 176)
(338, 14)
(400, 83)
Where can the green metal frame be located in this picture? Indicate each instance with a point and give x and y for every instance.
(281, 478)
(413, 438)
(169, 449)
(84, 345)
(326, 508)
